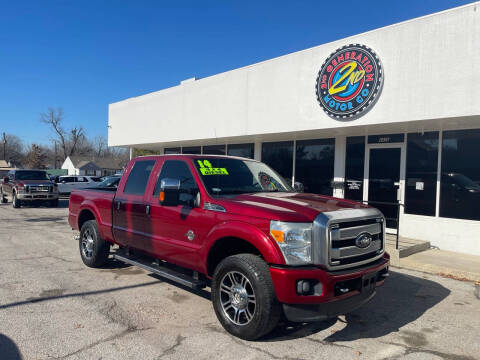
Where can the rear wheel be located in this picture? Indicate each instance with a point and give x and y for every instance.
(94, 250)
(244, 298)
(3, 197)
(15, 202)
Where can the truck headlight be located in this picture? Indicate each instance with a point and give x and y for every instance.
(294, 240)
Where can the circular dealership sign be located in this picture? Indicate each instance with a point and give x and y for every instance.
(349, 82)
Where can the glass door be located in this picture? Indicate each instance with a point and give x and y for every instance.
(383, 190)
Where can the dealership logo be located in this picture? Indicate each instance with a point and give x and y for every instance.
(363, 240)
(349, 82)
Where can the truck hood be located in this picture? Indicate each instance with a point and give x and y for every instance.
(35, 182)
(296, 207)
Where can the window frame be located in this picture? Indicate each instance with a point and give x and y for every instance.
(158, 172)
(121, 189)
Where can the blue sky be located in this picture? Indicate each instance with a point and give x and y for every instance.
(83, 55)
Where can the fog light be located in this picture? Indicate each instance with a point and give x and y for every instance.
(308, 287)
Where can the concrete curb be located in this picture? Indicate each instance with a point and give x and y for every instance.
(451, 273)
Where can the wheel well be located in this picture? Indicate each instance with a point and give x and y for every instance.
(85, 215)
(227, 247)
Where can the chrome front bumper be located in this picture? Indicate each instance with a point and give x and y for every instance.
(37, 196)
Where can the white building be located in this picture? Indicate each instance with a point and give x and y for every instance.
(416, 141)
(89, 166)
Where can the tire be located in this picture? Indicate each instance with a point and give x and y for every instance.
(94, 250)
(248, 321)
(15, 202)
(53, 203)
(3, 197)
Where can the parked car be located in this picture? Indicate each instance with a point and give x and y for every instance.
(28, 186)
(235, 225)
(107, 182)
(67, 183)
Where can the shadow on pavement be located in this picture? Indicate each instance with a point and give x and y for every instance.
(80, 294)
(62, 203)
(9, 350)
(400, 301)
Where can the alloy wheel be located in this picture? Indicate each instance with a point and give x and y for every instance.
(237, 298)
(87, 244)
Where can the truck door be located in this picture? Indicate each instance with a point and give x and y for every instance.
(7, 186)
(129, 208)
(177, 232)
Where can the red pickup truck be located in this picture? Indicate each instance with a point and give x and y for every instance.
(235, 225)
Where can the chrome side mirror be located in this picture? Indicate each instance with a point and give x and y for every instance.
(169, 192)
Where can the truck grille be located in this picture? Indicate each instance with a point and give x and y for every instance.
(39, 188)
(343, 236)
(337, 242)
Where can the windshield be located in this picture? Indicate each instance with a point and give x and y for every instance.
(223, 176)
(31, 175)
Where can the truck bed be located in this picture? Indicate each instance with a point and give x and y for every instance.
(99, 202)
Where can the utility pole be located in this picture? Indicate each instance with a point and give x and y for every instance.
(4, 147)
(55, 146)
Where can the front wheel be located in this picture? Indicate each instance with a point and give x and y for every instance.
(3, 197)
(244, 298)
(94, 250)
(15, 202)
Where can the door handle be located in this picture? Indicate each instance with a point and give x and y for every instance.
(147, 210)
(118, 204)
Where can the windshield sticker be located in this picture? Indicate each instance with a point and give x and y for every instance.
(266, 181)
(207, 169)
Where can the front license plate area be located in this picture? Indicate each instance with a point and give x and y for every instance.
(369, 282)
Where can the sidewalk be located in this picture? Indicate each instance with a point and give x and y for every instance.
(444, 263)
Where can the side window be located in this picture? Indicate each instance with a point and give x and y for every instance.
(67, 180)
(177, 169)
(138, 178)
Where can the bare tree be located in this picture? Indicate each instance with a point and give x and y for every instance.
(100, 146)
(69, 140)
(13, 149)
(35, 158)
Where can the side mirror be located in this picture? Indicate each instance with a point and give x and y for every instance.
(298, 187)
(169, 192)
(6, 179)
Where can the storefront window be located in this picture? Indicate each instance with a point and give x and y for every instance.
(214, 150)
(421, 176)
(314, 161)
(460, 180)
(170, 151)
(279, 156)
(354, 167)
(242, 150)
(192, 150)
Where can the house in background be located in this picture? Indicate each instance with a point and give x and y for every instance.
(5, 167)
(91, 166)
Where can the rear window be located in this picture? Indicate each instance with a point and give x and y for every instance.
(138, 178)
(67, 179)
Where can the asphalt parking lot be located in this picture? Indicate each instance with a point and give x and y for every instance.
(52, 306)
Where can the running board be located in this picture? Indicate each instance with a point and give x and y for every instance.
(149, 265)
